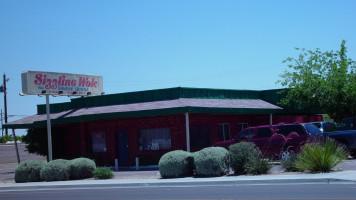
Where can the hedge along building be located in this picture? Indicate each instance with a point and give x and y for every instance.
(147, 124)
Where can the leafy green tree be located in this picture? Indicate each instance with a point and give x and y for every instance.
(324, 79)
(36, 140)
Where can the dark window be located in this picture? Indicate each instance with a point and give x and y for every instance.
(246, 134)
(318, 124)
(200, 136)
(264, 132)
(329, 126)
(312, 129)
(155, 139)
(347, 124)
(241, 126)
(224, 132)
(98, 141)
(288, 130)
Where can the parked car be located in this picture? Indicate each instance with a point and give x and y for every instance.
(325, 126)
(347, 124)
(346, 134)
(278, 141)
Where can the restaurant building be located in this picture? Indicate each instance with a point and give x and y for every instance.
(147, 124)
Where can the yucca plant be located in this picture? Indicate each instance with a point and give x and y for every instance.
(321, 157)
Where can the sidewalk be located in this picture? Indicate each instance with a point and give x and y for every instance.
(327, 178)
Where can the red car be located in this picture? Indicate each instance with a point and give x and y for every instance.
(278, 141)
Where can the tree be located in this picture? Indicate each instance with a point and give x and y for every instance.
(324, 79)
(36, 140)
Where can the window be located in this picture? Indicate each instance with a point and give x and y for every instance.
(318, 124)
(264, 132)
(329, 126)
(155, 139)
(98, 141)
(246, 134)
(199, 136)
(312, 129)
(346, 124)
(224, 132)
(241, 126)
(286, 130)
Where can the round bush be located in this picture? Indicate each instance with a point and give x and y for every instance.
(212, 161)
(103, 173)
(176, 164)
(81, 168)
(242, 154)
(56, 170)
(29, 171)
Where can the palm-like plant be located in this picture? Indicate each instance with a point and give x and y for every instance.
(321, 157)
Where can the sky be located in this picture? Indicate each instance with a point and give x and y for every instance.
(143, 45)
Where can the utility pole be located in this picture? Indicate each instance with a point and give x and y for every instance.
(2, 130)
(5, 103)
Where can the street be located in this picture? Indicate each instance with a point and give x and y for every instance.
(275, 191)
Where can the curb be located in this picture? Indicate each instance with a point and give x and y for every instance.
(163, 183)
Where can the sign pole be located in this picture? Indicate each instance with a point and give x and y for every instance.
(16, 147)
(187, 131)
(49, 134)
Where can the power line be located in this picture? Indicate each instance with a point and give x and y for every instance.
(15, 115)
(196, 78)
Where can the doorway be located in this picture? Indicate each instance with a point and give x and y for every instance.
(122, 148)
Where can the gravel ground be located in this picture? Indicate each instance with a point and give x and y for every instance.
(8, 164)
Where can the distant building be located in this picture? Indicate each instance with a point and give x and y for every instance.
(147, 124)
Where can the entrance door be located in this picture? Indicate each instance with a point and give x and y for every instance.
(122, 147)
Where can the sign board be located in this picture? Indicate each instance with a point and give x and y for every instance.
(53, 83)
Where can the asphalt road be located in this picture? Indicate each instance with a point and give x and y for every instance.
(276, 191)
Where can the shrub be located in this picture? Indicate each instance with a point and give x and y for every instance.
(6, 138)
(321, 157)
(103, 173)
(176, 164)
(212, 161)
(242, 154)
(289, 165)
(258, 166)
(56, 170)
(81, 168)
(29, 171)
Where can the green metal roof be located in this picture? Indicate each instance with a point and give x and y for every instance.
(148, 96)
(162, 95)
(271, 96)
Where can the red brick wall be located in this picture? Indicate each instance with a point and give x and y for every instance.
(176, 123)
(77, 139)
